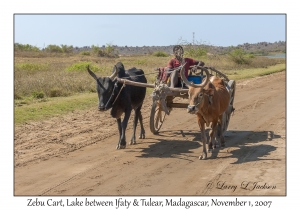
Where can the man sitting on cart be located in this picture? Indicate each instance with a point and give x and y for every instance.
(172, 67)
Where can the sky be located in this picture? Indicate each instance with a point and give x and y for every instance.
(81, 30)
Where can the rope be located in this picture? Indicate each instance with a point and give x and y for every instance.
(119, 92)
(113, 93)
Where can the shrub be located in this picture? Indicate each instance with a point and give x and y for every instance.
(38, 95)
(92, 90)
(17, 96)
(239, 56)
(53, 48)
(160, 54)
(66, 48)
(31, 66)
(195, 51)
(85, 53)
(95, 49)
(250, 55)
(56, 92)
(82, 67)
(140, 61)
(59, 49)
(108, 51)
(25, 47)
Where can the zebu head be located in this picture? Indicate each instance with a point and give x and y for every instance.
(198, 93)
(106, 88)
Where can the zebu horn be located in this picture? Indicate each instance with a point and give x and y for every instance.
(91, 73)
(188, 83)
(114, 74)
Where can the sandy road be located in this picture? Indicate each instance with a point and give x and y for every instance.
(75, 154)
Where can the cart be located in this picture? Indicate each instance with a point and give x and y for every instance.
(163, 97)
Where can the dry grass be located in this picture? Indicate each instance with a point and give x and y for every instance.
(50, 73)
(39, 78)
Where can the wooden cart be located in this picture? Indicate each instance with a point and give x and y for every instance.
(163, 97)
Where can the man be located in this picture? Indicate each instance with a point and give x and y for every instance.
(176, 62)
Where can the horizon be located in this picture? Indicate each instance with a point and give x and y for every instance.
(158, 46)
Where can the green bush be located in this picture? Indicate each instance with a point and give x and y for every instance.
(239, 56)
(66, 48)
(25, 47)
(59, 49)
(57, 92)
(250, 55)
(85, 53)
(108, 51)
(82, 67)
(17, 96)
(140, 61)
(160, 54)
(31, 66)
(195, 51)
(96, 49)
(53, 48)
(38, 95)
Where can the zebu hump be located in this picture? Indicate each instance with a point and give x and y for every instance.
(136, 75)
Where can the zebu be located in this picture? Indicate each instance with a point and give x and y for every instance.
(121, 98)
(208, 101)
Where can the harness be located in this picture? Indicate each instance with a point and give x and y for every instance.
(113, 93)
(199, 101)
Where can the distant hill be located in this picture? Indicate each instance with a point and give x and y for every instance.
(258, 48)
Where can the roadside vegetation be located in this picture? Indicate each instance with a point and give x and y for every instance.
(54, 80)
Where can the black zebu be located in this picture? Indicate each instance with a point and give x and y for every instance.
(122, 99)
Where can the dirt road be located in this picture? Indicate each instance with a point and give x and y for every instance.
(76, 155)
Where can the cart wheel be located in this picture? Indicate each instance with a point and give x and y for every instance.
(231, 84)
(157, 117)
(227, 113)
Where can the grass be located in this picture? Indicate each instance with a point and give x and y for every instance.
(254, 72)
(43, 109)
(33, 110)
(31, 66)
(47, 85)
(81, 67)
(160, 54)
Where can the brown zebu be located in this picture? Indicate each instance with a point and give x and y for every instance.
(208, 100)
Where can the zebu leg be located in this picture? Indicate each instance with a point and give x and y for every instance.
(142, 134)
(204, 139)
(122, 141)
(212, 135)
(218, 133)
(222, 122)
(120, 131)
(135, 121)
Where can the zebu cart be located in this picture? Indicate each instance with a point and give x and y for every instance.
(163, 97)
